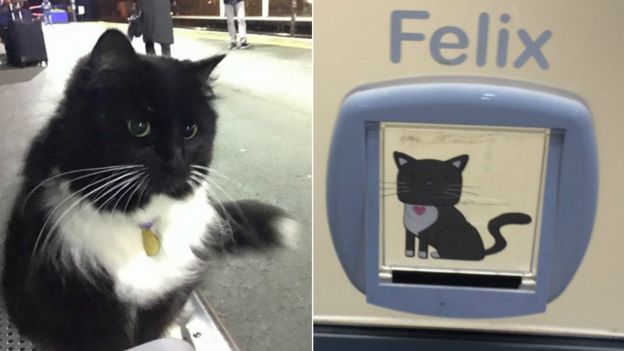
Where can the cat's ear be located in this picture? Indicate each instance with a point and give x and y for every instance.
(204, 68)
(400, 158)
(112, 49)
(459, 162)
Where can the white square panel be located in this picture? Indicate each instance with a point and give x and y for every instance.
(504, 173)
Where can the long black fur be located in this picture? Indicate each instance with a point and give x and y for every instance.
(60, 308)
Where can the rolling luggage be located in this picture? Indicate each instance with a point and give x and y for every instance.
(25, 43)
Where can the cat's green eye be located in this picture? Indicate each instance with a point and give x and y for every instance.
(139, 129)
(190, 131)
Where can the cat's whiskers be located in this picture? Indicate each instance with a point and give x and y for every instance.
(118, 187)
(212, 170)
(111, 185)
(190, 183)
(233, 202)
(144, 186)
(136, 188)
(98, 170)
(194, 182)
(51, 213)
(199, 174)
(203, 177)
(127, 188)
(70, 196)
(115, 186)
(224, 223)
(212, 183)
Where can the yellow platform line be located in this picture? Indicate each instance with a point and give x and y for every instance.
(300, 43)
(275, 40)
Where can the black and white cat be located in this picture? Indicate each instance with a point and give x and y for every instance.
(430, 189)
(114, 222)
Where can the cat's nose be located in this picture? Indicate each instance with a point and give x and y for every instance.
(173, 159)
(428, 183)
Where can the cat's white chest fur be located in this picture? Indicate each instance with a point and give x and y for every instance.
(113, 241)
(417, 218)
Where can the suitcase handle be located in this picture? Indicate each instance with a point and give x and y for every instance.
(12, 10)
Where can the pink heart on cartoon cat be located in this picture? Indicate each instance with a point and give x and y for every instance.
(419, 209)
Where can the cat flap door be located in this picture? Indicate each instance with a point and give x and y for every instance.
(461, 198)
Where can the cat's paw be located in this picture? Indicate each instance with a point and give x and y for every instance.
(422, 254)
(409, 253)
(435, 254)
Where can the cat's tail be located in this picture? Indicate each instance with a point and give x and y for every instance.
(495, 225)
(250, 224)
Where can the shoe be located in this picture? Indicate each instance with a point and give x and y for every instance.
(244, 44)
(232, 45)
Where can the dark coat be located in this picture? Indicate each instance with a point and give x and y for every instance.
(231, 2)
(157, 22)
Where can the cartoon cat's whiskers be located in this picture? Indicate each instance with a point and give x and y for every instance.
(460, 186)
(395, 191)
(458, 194)
(394, 194)
(462, 192)
(457, 190)
(470, 193)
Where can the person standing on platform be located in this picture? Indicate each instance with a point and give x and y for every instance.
(46, 6)
(236, 8)
(157, 25)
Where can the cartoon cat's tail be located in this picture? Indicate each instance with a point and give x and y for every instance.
(495, 225)
(250, 224)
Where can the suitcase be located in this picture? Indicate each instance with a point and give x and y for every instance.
(25, 43)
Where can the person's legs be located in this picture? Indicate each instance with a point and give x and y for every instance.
(165, 50)
(229, 13)
(149, 48)
(242, 26)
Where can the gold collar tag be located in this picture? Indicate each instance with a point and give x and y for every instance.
(151, 243)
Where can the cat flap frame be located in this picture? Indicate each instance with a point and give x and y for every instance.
(569, 186)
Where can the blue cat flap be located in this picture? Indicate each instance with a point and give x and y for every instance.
(461, 198)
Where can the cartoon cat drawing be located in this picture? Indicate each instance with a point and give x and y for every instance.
(430, 189)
